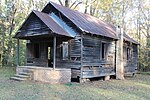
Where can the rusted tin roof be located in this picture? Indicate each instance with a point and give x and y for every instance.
(129, 39)
(87, 22)
(49, 22)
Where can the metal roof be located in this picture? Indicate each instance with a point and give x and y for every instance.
(129, 39)
(90, 24)
(49, 22)
(87, 22)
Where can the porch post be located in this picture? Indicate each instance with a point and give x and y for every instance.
(18, 45)
(54, 55)
(81, 68)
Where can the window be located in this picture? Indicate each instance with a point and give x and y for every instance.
(65, 50)
(124, 52)
(129, 53)
(36, 50)
(103, 51)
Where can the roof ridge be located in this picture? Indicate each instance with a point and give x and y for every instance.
(85, 23)
(46, 21)
(83, 13)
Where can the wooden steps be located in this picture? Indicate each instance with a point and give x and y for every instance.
(22, 76)
(18, 78)
(24, 73)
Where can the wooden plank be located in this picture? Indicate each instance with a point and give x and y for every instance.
(75, 47)
(92, 64)
(129, 69)
(75, 73)
(18, 46)
(99, 75)
(54, 51)
(68, 64)
(81, 76)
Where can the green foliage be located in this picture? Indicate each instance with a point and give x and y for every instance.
(13, 13)
(132, 15)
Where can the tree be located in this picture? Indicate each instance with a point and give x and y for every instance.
(70, 4)
(13, 12)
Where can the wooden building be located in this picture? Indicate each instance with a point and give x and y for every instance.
(61, 38)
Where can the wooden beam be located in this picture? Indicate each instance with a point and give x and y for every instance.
(54, 50)
(81, 68)
(18, 46)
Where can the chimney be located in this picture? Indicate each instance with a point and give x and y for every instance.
(119, 54)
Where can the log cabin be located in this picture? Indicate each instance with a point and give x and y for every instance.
(64, 44)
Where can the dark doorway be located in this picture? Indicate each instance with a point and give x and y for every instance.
(50, 56)
(36, 50)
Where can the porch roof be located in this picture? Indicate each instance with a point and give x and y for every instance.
(129, 39)
(48, 21)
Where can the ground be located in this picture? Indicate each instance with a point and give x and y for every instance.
(133, 88)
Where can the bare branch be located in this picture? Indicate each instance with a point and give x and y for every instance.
(60, 2)
(73, 4)
(77, 5)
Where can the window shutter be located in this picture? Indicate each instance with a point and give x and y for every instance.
(65, 50)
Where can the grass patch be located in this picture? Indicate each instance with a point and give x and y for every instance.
(72, 84)
(136, 88)
(6, 72)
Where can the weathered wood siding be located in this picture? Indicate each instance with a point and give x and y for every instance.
(93, 64)
(42, 60)
(130, 63)
(73, 61)
(34, 26)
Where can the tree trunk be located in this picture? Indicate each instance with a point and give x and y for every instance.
(67, 3)
(86, 6)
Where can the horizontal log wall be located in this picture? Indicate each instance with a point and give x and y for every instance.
(42, 60)
(130, 65)
(73, 60)
(93, 64)
(34, 26)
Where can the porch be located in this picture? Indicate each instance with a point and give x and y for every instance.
(42, 57)
(44, 74)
